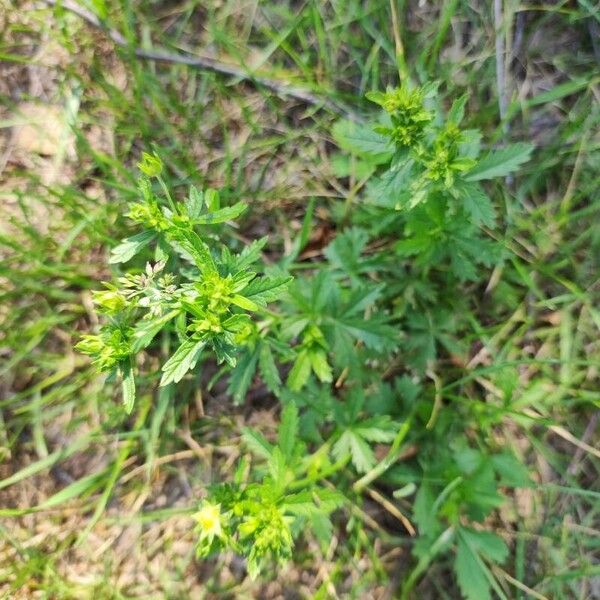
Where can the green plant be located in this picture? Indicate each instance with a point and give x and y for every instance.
(360, 336)
(209, 299)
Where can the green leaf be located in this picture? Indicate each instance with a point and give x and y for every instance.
(471, 573)
(249, 255)
(362, 140)
(359, 450)
(268, 368)
(373, 333)
(213, 200)
(478, 205)
(300, 372)
(182, 361)
(146, 330)
(220, 216)
(423, 510)
(241, 376)
(244, 303)
(129, 247)
(457, 111)
(320, 366)
(490, 545)
(474, 577)
(197, 250)
(266, 289)
(512, 472)
(85, 485)
(288, 429)
(277, 468)
(257, 443)
(500, 162)
(379, 429)
(128, 386)
(194, 203)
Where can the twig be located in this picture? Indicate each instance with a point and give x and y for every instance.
(521, 586)
(206, 63)
(393, 510)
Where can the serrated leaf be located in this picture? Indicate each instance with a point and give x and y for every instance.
(301, 504)
(198, 251)
(322, 527)
(490, 545)
(359, 450)
(392, 189)
(500, 162)
(222, 215)
(146, 330)
(131, 246)
(249, 255)
(242, 375)
(266, 289)
(478, 205)
(194, 203)
(277, 467)
(471, 573)
(300, 372)
(182, 361)
(212, 199)
(257, 443)
(372, 333)
(320, 366)
(128, 386)
(268, 368)
(288, 429)
(362, 140)
(379, 429)
(457, 111)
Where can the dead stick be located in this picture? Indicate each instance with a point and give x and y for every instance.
(207, 64)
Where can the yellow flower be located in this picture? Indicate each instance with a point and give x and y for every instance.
(209, 520)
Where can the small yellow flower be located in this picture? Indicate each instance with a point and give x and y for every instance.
(209, 520)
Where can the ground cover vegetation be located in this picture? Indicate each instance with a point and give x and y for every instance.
(312, 317)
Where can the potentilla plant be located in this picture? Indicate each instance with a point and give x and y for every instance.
(348, 347)
(207, 301)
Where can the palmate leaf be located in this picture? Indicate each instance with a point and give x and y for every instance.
(353, 444)
(500, 162)
(374, 333)
(182, 361)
